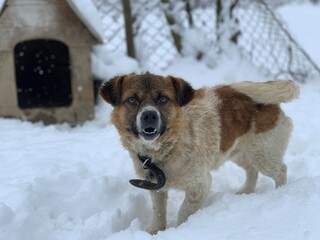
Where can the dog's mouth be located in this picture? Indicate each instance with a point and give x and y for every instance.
(149, 131)
(149, 134)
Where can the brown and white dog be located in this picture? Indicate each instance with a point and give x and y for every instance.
(189, 132)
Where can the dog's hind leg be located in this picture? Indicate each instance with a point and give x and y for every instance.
(251, 181)
(267, 151)
(159, 219)
(276, 170)
(267, 159)
(251, 174)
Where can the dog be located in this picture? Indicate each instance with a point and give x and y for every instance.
(187, 133)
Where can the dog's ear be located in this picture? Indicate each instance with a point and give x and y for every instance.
(110, 91)
(184, 91)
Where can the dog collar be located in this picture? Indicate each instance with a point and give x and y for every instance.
(154, 172)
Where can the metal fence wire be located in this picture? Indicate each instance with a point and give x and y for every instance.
(152, 37)
(163, 29)
(153, 42)
(267, 44)
(111, 14)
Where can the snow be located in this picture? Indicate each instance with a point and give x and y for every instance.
(87, 12)
(2, 2)
(62, 182)
(106, 64)
(303, 31)
(197, 45)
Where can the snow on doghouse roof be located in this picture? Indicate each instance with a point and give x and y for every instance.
(89, 15)
(2, 5)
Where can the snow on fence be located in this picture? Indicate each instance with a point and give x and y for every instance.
(163, 29)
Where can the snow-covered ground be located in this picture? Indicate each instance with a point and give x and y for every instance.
(59, 182)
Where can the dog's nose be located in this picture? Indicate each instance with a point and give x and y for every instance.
(149, 124)
(149, 118)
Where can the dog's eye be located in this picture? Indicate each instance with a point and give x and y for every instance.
(133, 101)
(163, 100)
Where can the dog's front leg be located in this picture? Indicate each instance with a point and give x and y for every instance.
(159, 219)
(194, 198)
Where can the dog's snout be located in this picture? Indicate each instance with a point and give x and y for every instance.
(149, 123)
(149, 117)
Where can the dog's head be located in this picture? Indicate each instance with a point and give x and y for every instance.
(146, 106)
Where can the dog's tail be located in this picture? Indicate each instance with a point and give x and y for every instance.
(271, 92)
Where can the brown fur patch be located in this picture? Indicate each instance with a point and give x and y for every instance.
(237, 111)
(266, 117)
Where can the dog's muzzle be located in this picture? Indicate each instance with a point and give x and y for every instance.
(149, 123)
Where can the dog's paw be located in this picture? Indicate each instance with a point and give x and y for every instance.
(154, 230)
(245, 191)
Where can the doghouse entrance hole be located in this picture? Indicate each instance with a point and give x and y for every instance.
(42, 74)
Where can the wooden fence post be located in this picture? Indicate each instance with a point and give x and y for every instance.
(128, 27)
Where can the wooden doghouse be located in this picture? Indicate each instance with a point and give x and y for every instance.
(45, 70)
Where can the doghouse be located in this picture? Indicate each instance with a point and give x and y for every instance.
(45, 70)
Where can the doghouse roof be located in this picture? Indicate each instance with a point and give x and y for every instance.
(86, 12)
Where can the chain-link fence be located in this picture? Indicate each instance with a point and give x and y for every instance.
(263, 40)
(111, 14)
(163, 29)
(152, 39)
